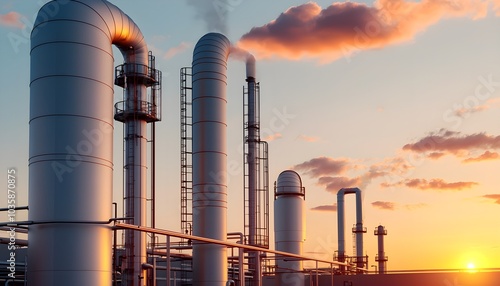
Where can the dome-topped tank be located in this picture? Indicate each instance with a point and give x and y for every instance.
(289, 183)
(289, 226)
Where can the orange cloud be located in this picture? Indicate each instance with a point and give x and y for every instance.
(325, 208)
(272, 137)
(495, 197)
(176, 50)
(433, 184)
(487, 155)
(309, 31)
(308, 138)
(11, 19)
(390, 206)
(496, 7)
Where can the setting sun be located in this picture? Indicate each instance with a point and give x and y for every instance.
(471, 267)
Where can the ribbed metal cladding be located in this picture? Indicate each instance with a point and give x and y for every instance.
(209, 157)
(289, 226)
(71, 138)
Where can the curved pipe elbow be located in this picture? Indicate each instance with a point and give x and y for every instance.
(107, 20)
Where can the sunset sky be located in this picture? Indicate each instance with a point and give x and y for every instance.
(398, 98)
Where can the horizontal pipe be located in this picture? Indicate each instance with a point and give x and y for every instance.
(120, 225)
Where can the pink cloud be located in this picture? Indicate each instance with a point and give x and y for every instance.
(11, 19)
(324, 166)
(444, 142)
(325, 208)
(309, 31)
(333, 184)
(433, 184)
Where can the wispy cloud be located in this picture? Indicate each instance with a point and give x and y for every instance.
(272, 137)
(12, 19)
(412, 207)
(325, 208)
(333, 184)
(494, 197)
(445, 142)
(322, 166)
(336, 173)
(170, 53)
(432, 184)
(466, 112)
(308, 138)
(487, 155)
(390, 206)
(309, 31)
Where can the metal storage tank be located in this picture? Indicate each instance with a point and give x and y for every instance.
(289, 226)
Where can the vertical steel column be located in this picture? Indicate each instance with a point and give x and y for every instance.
(209, 157)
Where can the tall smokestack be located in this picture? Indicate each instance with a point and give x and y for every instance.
(380, 232)
(253, 141)
(209, 157)
(71, 138)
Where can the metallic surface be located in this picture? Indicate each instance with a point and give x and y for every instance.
(209, 157)
(71, 134)
(252, 159)
(289, 226)
(341, 223)
(380, 232)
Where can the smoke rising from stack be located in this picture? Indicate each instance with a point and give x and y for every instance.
(339, 30)
(240, 54)
(213, 14)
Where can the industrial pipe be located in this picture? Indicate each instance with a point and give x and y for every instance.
(71, 138)
(359, 229)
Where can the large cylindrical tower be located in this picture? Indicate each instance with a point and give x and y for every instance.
(289, 226)
(71, 133)
(209, 157)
